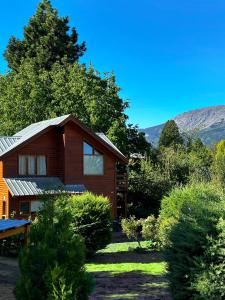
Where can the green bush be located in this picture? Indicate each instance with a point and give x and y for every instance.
(132, 227)
(92, 220)
(150, 230)
(209, 279)
(52, 265)
(187, 218)
(139, 229)
(146, 187)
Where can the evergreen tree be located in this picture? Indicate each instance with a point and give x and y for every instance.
(170, 135)
(46, 39)
(47, 81)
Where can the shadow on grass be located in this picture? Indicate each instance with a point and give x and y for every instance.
(130, 285)
(127, 257)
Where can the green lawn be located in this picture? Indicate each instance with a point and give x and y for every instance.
(123, 273)
(123, 247)
(146, 268)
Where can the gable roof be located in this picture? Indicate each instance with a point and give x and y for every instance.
(8, 144)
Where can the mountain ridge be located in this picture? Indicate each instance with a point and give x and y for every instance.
(208, 123)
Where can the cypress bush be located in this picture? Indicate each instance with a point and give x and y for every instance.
(188, 220)
(210, 276)
(92, 220)
(52, 265)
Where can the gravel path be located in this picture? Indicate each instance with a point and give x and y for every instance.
(9, 272)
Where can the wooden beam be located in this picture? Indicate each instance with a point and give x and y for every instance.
(10, 232)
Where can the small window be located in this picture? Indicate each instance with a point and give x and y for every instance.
(32, 165)
(93, 161)
(25, 207)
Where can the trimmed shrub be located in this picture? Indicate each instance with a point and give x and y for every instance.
(92, 220)
(188, 217)
(52, 265)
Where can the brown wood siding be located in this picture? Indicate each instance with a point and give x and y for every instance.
(63, 148)
(47, 144)
(100, 185)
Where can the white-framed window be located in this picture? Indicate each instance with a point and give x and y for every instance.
(33, 165)
(93, 161)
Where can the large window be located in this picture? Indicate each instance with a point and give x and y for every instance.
(32, 165)
(93, 161)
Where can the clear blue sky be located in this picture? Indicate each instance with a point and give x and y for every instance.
(168, 56)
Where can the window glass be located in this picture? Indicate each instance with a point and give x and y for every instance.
(41, 165)
(88, 149)
(22, 165)
(31, 165)
(25, 207)
(93, 165)
(36, 206)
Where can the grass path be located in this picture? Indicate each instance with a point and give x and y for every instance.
(121, 273)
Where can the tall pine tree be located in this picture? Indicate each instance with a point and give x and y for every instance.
(46, 40)
(170, 135)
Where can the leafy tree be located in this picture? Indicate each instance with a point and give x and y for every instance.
(67, 89)
(46, 77)
(170, 135)
(200, 161)
(174, 162)
(146, 187)
(219, 163)
(46, 39)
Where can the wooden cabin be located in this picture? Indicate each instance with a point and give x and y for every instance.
(59, 155)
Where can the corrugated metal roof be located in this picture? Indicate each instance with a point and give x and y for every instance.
(33, 186)
(39, 126)
(32, 130)
(107, 140)
(10, 224)
(7, 141)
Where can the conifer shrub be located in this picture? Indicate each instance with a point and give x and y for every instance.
(210, 276)
(188, 221)
(52, 265)
(92, 220)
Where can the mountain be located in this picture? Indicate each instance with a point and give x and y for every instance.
(207, 123)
